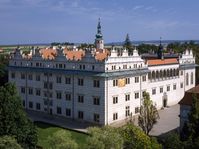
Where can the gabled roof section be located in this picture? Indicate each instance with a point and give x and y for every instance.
(155, 62)
(187, 99)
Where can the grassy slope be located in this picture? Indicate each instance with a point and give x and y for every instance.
(45, 130)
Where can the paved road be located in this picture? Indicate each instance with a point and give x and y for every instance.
(168, 121)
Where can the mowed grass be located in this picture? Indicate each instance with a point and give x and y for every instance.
(45, 130)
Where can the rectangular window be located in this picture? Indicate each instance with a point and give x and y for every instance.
(67, 80)
(127, 81)
(58, 79)
(80, 98)
(115, 82)
(181, 72)
(80, 114)
(137, 95)
(161, 89)
(68, 112)
(96, 83)
(68, 96)
(153, 91)
(96, 100)
(30, 91)
(45, 85)
(181, 85)
(37, 77)
(13, 75)
(38, 106)
(80, 82)
(93, 67)
(192, 78)
(30, 104)
(23, 76)
(144, 78)
(136, 79)
(137, 110)
(96, 117)
(174, 87)
(115, 116)
(127, 113)
(59, 95)
(168, 88)
(50, 85)
(38, 92)
(127, 97)
(115, 100)
(23, 90)
(24, 103)
(30, 77)
(59, 110)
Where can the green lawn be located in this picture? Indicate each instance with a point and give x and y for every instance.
(45, 130)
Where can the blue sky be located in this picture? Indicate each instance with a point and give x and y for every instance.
(44, 21)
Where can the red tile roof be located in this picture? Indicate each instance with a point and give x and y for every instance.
(154, 62)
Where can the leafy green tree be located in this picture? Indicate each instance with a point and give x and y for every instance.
(13, 119)
(147, 48)
(7, 142)
(4, 59)
(62, 140)
(173, 142)
(135, 138)
(104, 138)
(193, 123)
(148, 114)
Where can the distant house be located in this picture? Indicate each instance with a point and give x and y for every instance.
(186, 103)
(1, 50)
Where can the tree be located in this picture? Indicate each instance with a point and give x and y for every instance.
(13, 119)
(173, 142)
(4, 59)
(128, 44)
(135, 138)
(104, 138)
(148, 114)
(7, 142)
(62, 140)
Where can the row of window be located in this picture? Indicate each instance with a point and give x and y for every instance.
(127, 97)
(168, 88)
(96, 117)
(58, 65)
(114, 67)
(127, 80)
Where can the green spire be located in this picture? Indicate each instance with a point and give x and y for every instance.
(99, 33)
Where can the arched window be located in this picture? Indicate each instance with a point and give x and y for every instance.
(149, 75)
(171, 73)
(177, 72)
(168, 74)
(165, 74)
(161, 74)
(174, 72)
(157, 74)
(153, 75)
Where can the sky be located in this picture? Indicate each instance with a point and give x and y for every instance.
(46, 21)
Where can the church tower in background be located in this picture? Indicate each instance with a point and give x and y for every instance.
(99, 42)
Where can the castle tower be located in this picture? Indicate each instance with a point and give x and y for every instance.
(99, 43)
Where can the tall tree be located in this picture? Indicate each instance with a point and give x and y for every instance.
(128, 44)
(148, 114)
(62, 140)
(135, 138)
(7, 142)
(13, 119)
(104, 138)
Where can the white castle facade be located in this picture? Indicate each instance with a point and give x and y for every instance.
(97, 85)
